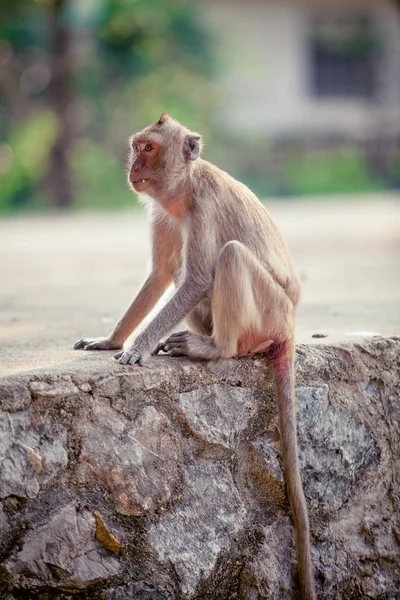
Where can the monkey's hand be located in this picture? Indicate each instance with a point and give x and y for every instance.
(132, 356)
(104, 344)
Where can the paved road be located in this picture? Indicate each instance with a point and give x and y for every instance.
(65, 277)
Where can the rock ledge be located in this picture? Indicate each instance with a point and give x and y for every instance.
(165, 482)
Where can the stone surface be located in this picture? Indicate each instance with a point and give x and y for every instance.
(30, 456)
(201, 526)
(64, 552)
(135, 592)
(165, 482)
(218, 412)
(270, 571)
(348, 449)
(137, 463)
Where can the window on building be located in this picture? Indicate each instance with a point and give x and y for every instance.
(344, 52)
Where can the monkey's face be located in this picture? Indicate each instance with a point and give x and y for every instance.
(146, 164)
(160, 155)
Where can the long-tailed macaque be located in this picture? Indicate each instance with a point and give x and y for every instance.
(235, 283)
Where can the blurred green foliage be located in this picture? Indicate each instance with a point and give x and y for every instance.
(100, 179)
(24, 158)
(334, 171)
(133, 60)
(305, 168)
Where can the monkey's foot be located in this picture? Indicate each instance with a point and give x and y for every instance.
(186, 343)
(176, 345)
(104, 344)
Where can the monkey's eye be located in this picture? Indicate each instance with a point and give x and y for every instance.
(148, 148)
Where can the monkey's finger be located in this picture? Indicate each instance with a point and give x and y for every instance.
(173, 339)
(81, 344)
(118, 355)
(160, 347)
(125, 358)
(131, 358)
(175, 345)
(103, 345)
(166, 347)
(176, 352)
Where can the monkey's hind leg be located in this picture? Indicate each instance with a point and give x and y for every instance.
(248, 310)
(200, 319)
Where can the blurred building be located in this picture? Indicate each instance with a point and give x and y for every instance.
(297, 67)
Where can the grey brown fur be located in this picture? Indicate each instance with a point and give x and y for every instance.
(236, 285)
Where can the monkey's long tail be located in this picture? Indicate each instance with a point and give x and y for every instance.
(282, 358)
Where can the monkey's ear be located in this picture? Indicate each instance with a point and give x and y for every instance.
(192, 146)
(163, 118)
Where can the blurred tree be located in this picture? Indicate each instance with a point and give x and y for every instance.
(61, 97)
(36, 89)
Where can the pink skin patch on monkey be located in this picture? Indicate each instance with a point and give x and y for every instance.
(252, 343)
(277, 356)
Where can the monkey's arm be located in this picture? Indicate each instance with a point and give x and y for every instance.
(195, 286)
(186, 298)
(166, 247)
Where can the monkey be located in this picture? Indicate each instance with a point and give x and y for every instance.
(235, 280)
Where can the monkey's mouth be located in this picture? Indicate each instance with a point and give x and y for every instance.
(140, 185)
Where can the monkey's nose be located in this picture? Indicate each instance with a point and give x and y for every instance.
(133, 172)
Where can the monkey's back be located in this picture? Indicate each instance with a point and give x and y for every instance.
(237, 214)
